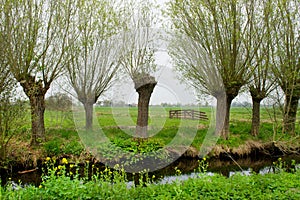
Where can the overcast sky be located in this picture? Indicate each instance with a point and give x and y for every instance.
(169, 88)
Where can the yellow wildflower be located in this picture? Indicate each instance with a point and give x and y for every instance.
(178, 172)
(64, 161)
(204, 159)
(48, 158)
(71, 165)
(60, 167)
(40, 186)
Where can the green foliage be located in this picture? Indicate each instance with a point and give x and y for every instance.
(52, 147)
(74, 148)
(284, 166)
(67, 134)
(63, 142)
(143, 146)
(59, 119)
(12, 118)
(132, 151)
(203, 165)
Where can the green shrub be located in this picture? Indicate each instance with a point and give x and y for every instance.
(73, 147)
(52, 147)
(67, 134)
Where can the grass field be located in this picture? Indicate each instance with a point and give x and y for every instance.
(118, 125)
(107, 116)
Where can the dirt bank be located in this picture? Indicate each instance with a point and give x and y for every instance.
(254, 149)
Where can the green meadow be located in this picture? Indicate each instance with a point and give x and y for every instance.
(118, 125)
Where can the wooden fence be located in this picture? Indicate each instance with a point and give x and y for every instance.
(188, 114)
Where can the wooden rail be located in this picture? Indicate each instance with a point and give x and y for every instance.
(188, 114)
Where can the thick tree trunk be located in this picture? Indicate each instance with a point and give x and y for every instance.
(231, 91)
(35, 91)
(88, 107)
(220, 113)
(255, 116)
(144, 85)
(37, 104)
(143, 109)
(225, 130)
(257, 95)
(290, 113)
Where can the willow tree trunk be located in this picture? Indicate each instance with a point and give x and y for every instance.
(255, 116)
(143, 110)
(257, 95)
(88, 107)
(290, 113)
(225, 130)
(37, 104)
(144, 85)
(220, 113)
(35, 91)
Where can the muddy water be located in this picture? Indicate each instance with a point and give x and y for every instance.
(187, 167)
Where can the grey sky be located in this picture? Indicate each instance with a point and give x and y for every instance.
(168, 89)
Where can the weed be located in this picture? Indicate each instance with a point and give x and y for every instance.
(74, 148)
(203, 165)
(52, 147)
(284, 166)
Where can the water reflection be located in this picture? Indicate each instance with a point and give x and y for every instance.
(183, 177)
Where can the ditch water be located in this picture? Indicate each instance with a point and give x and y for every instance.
(187, 166)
